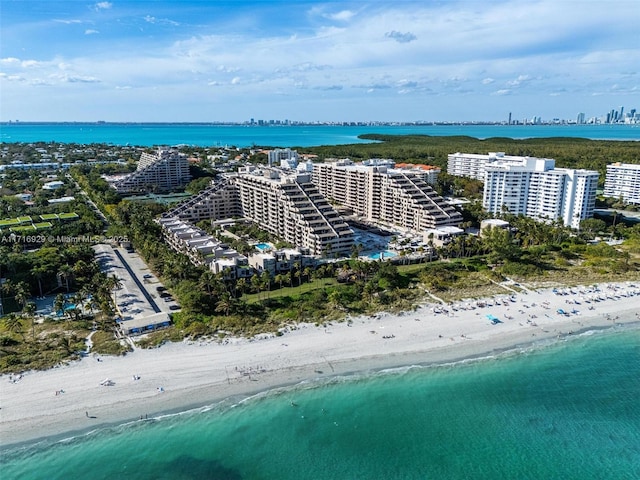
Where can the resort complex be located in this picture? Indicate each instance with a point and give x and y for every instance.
(377, 192)
(530, 186)
(164, 171)
(287, 205)
(623, 182)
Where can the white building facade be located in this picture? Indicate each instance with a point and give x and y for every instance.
(623, 181)
(534, 188)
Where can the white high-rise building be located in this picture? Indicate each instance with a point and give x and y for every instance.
(534, 188)
(623, 181)
(473, 165)
(377, 192)
(283, 157)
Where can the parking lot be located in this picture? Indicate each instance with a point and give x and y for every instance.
(138, 297)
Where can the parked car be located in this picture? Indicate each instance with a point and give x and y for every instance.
(174, 307)
(147, 275)
(168, 299)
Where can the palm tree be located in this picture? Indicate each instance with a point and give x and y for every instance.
(241, 285)
(13, 324)
(224, 304)
(307, 273)
(114, 283)
(58, 303)
(255, 284)
(22, 293)
(29, 310)
(207, 280)
(66, 271)
(296, 271)
(265, 281)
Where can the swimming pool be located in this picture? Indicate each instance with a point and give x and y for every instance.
(263, 246)
(383, 255)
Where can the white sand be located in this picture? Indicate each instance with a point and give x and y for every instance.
(196, 374)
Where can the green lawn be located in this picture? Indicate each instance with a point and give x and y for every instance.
(26, 219)
(289, 291)
(42, 225)
(9, 222)
(25, 228)
(68, 216)
(49, 216)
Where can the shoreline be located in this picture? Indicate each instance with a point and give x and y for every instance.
(196, 375)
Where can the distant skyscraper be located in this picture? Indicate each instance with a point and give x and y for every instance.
(580, 119)
(509, 118)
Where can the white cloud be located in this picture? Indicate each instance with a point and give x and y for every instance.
(443, 49)
(103, 5)
(67, 22)
(342, 16)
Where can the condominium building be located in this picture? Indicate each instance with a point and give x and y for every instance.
(473, 165)
(283, 157)
(623, 181)
(377, 192)
(286, 204)
(163, 171)
(534, 188)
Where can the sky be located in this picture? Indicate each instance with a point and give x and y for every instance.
(423, 60)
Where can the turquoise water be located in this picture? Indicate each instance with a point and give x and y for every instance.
(383, 255)
(284, 136)
(569, 410)
(263, 246)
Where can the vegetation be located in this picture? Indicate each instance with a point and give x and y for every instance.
(215, 306)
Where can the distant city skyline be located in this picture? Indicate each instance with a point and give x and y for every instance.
(309, 61)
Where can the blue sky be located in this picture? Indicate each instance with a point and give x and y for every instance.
(304, 60)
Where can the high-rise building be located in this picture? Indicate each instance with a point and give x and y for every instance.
(623, 181)
(473, 165)
(166, 170)
(536, 189)
(285, 204)
(377, 192)
(580, 119)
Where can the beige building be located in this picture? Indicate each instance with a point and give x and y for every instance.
(377, 192)
(166, 170)
(288, 205)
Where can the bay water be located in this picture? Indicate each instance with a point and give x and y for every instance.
(569, 409)
(151, 134)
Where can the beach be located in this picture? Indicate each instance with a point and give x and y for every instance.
(97, 391)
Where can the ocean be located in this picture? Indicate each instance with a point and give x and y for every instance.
(568, 409)
(283, 136)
